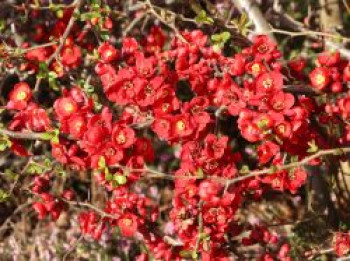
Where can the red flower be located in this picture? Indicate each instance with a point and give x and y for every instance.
(329, 58)
(122, 136)
(130, 46)
(297, 65)
(295, 179)
(266, 151)
(71, 56)
(162, 127)
(77, 126)
(128, 225)
(40, 209)
(320, 78)
(94, 138)
(32, 118)
(214, 147)
(342, 243)
(19, 96)
(155, 40)
(120, 88)
(264, 48)
(108, 53)
(39, 54)
(110, 152)
(181, 126)
(251, 132)
(256, 68)
(65, 107)
(269, 82)
(147, 90)
(143, 147)
(281, 101)
(283, 129)
(145, 66)
(344, 107)
(208, 190)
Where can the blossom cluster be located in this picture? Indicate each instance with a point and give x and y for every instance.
(181, 90)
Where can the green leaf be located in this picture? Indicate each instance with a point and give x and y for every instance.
(102, 162)
(4, 196)
(203, 18)
(186, 253)
(4, 143)
(120, 179)
(219, 40)
(90, 15)
(105, 35)
(244, 169)
(200, 173)
(52, 136)
(10, 174)
(2, 25)
(312, 147)
(35, 168)
(109, 176)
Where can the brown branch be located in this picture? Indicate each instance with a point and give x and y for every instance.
(156, 174)
(22, 135)
(66, 33)
(303, 162)
(101, 212)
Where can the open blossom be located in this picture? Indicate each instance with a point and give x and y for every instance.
(341, 243)
(180, 107)
(128, 225)
(122, 136)
(108, 53)
(269, 82)
(71, 56)
(320, 78)
(19, 96)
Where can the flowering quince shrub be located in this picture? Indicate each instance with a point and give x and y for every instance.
(234, 126)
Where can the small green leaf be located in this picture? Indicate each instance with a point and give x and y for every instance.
(10, 174)
(120, 179)
(203, 18)
(35, 168)
(109, 176)
(244, 169)
(4, 143)
(186, 253)
(312, 147)
(52, 136)
(219, 40)
(200, 173)
(2, 25)
(3, 196)
(102, 162)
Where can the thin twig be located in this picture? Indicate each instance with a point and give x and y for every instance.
(66, 33)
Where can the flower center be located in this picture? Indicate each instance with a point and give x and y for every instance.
(127, 221)
(165, 107)
(22, 95)
(256, 68)
(110, 152)
(69, 107)
(262, 48)
(127, 85)
(180, 125)
(320, 79)
(121, 139)
(267, 83)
